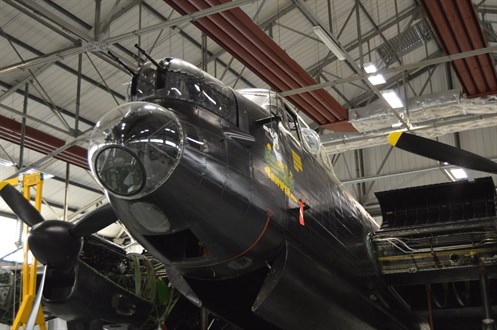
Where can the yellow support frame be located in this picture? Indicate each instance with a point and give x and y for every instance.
(29, 271)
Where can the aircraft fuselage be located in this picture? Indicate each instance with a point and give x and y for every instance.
(212, 187)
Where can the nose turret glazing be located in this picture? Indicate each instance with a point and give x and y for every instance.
(134, 149)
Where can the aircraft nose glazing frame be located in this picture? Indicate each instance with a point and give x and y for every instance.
(135, 148)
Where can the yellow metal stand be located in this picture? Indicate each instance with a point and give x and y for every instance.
(29, 271)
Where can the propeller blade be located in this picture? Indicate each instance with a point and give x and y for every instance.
(441, 152)
(20, 205)
(36, 303)
(94, 221)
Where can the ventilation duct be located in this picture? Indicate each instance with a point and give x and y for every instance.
(415, 36)
(431, 116)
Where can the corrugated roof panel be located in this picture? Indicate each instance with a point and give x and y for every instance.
(34, 109)
(161, 7)
(130, 21)
(31, 32)
(481, 141)
(83, 10)
(269, 8)
(397, 162)
(230, 78)
(55, 167)
(8, 57)
(59, 85)
(97, 103)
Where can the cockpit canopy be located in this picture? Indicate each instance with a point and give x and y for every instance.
(180, 80)
(277, 106)
(176, 79)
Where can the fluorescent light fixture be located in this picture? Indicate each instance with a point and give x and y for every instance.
(370, 67)
(458, 173)
(377, 79)
(392, 98)
(6, 163)
(44, 175)
(330, 43)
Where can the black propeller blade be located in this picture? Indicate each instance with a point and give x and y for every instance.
(441, 152)
(58, 243)
(20, 205)
(55, 243)
(94, 221)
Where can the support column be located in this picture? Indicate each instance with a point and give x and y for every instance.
(488, 322)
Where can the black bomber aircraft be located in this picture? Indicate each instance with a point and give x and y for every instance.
(228, 191)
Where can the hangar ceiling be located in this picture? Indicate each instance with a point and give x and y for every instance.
(56, 79)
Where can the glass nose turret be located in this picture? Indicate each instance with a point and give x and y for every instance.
(134, 149)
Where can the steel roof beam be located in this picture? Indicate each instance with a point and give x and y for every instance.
(235, 31)
(38, 19)
(45, 143)
(405, 67)
(68, 14)
(83, 209)
(40, 121)
(40, 101)
(312, 18)
(197, 44)
(51, 16)
(382, 36)
(44, 95)
(264, 26)
(381, 28)
(362, 99)
(457, 27)
(397, 174)
(28, 78)
(439, 122)
(59, 64)
(58, 30)
(113, 16)
(71, 51)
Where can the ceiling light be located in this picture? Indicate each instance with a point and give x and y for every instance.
(392, 98)
(370, 67)
(329, 42)
(377, 79)
(458, 173)
(6, 163)
(44, 175)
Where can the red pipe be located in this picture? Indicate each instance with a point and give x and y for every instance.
(460, 33)
(258, 38)
(234, 47)
(441, 26)
(457, 27)
(241, 37)
(34, 139)
(486, 63)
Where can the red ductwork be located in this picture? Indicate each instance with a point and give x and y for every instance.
(241, 37)
(458, 29)
(44, 143)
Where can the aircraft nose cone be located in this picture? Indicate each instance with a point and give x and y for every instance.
(134, 149)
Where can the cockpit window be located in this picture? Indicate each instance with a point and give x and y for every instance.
(183, 81)
(145, 85)
(181, 86)
(219, 99)
(267, 99)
